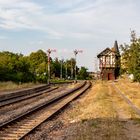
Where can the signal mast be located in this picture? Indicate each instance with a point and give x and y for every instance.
(75, 53)
(49, 51)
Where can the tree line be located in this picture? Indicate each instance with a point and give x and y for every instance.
(130, 57)
(33, 68)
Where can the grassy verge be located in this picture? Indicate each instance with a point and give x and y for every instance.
(60, 81)
(6, 86)
(95, 116)
(130, 90)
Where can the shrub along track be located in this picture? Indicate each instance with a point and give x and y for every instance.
(25, 122)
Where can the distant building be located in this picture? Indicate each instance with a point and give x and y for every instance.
(94, 75)
(91, 74)
(109, 63)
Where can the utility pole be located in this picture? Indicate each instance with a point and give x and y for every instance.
(49, 51)
(66, 67)
(75, 53)
(45, 73)
(61, 71)
(71, 70)
(95, 64)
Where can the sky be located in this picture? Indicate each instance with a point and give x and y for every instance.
(66, 25)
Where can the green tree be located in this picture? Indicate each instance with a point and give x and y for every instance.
(20, 68)
(38, 65)
(56, 67)
(14, 67)
(131, 57)
(83, 74)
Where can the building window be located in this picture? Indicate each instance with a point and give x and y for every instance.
(108, 60)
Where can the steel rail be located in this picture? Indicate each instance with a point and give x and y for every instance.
(23, 92)
(21, 98)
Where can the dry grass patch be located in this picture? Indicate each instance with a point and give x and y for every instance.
(121, 105)
(131, 92)
(72, 85)
(6, 86)
(131, 125)
(95, 117)
(129, 84)
(97, 101)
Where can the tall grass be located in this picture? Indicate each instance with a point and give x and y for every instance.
(6, 86)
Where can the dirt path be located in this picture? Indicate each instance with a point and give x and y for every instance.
(131, 91)
(131, 121)
(100, 114)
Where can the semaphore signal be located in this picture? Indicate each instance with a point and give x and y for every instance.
(75, 53)
(49, 51)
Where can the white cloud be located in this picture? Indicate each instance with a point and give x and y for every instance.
(72, 23)
(3, 37)
(66, 51)
(7, 2)
(72, 19)
(18, 14)
(39, 42)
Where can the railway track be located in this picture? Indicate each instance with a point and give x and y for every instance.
(23, 92)
(17, 109)
(11, 97)
(23, 124)
(26, 96)
(131, 104)
(14, 98)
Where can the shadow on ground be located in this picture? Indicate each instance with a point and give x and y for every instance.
(93, 129)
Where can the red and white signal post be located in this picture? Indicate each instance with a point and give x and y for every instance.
(75, 53)
(49, 51)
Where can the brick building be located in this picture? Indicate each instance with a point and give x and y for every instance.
(109, 63)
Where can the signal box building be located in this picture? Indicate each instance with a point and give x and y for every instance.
(109, 63)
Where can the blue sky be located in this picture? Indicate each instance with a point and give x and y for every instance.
(65, 25)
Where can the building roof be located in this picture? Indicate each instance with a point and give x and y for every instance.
(115, 50)
(104, 52)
